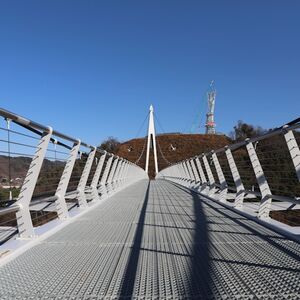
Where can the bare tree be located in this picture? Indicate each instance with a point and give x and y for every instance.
(243, 130)
(111, 144)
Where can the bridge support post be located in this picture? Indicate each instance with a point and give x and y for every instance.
(96, 177)
(105, 176)
(266, 200)
(185, 177)
(188, 172)
(240, 190)
(204, 186)
(209, 173)
(191, 173)
(183, 173)
(24, 221)
(116, 178)
(178, 173)
(293, 149)
(221, 177)
(84, 178)
(112, 175)
(196, 175)
(121, 173)
(60, 202)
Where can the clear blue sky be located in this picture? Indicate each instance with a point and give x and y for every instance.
(92, 68)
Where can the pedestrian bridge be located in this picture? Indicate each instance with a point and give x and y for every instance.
(189, 234)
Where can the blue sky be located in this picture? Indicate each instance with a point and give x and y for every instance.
(92, 68)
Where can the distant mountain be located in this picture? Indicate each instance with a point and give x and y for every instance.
(19, 166)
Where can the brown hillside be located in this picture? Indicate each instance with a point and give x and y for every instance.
(187, 145)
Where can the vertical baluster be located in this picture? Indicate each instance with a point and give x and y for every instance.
(81, 196)
(24, 221)
(103, 180)
(293, 149)
(95, 181)
(204, 185)
(60, 202)
(240, 190)
(221, 177)
(209, 173)
(266, 200)
(197, 178)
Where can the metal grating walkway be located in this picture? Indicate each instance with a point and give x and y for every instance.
(161, 242)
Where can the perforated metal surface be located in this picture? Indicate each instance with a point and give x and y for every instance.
(160, 243)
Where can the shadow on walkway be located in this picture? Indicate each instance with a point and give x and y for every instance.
(197, 285)
(127, 288)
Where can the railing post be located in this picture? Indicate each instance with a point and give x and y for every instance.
(84, 178)
(196, 175)
(126, 173)
(240, 190)
(121, 173)
(105, 174)
(60, 202)
(204, 185)
(221, 177)
(209, 173)
(112, 173)
(190, 164)
(24, 221)
(187, 172)
(117, 172)
(94, 184)
(266, 200)
(184, 175)
(178, 172)
(293, 149)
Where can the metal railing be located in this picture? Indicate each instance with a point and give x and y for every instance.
(260, 170)
(45, 173)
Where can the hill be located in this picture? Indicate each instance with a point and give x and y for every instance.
(170, 148)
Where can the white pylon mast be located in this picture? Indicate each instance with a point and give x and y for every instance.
(151, 132)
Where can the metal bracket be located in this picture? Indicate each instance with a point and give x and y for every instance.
(196, 175)
(105, 175)
(24, 221)
(266, 200)
(209, 173)
(221, 177)
(239, 197)
(204, 185)
(60, 202)
(112, 174)
(294, 150)
(94, 184)
(84, 178)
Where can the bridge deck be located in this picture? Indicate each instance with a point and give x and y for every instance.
(156, 241)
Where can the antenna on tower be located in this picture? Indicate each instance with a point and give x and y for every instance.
(211, 100)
